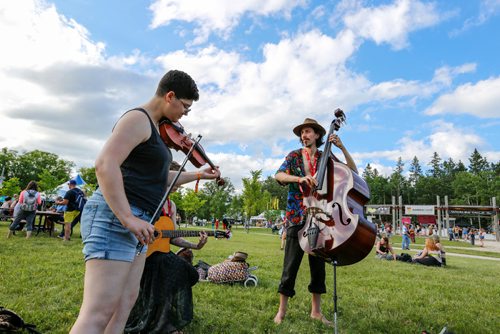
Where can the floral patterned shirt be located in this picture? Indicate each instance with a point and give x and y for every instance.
(294, 165)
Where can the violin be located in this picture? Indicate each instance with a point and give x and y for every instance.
(335, 227)
(174, 136)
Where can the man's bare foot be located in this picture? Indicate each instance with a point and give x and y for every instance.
(322, 318)
(278, 319)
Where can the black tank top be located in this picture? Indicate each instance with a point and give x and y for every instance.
(145, 171)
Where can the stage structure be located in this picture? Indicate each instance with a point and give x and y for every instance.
(435, 214)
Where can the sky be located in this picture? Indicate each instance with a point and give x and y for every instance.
(413, 77)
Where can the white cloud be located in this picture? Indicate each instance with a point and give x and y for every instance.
(37, 36)
(447, 139)
(442, 79)
(487, 10)
(56, 83)
(297, 75)
(391, 23)
(219, 16)
(481, 100)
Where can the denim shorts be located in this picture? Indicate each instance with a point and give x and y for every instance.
(103, 235)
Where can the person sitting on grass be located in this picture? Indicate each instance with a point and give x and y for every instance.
(384, 248)
(431, 255)
(442, 253)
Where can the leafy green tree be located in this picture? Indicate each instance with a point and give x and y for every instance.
(426, 189)
(30, 165)
(253, 203)
(464, 188)
(277, 192)
(7, 162)
(11, 187)
(90, 178)
(235, 209)
(217, 198)
(191, 203)
(380, 189)
(88, 174)
(48, 183)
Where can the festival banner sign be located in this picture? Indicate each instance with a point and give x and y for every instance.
(419, 210)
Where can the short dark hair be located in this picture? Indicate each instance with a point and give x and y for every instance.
(319, 141)
(180, 83)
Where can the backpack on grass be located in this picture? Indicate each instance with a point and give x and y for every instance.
(11, 322)
(29, 201)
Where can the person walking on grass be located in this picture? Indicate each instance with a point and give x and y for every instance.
(482, 234)
(29, 200)
(71, 212)
(299, 168)
(405, 244)
(132, 171)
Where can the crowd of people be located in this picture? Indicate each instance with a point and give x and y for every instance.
(466, 233)
(22, 209)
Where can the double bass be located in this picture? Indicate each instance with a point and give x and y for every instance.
(335, 227)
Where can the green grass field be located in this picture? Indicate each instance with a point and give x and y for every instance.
(42, 280)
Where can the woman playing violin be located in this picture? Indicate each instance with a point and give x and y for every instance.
(132, 171)
(298, 171)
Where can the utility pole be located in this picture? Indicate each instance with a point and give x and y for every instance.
(496, 223)
(439, 215)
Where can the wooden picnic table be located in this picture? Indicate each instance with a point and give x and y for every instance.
(44, 224)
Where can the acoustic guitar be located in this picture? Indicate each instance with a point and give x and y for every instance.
(165, 230)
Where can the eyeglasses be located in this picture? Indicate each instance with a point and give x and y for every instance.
(186, 106)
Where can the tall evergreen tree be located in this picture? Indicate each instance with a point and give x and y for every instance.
(397, 179)
(436, 168)
(415, 171)
(478, 163)
(368, 172)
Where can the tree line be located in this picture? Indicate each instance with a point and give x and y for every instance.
(472, 185)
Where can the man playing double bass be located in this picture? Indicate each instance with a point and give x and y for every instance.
(298, 170)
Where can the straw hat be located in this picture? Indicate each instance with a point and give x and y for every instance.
(238, 256)
(310, 123)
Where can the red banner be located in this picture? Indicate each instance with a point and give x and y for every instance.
(426, 220)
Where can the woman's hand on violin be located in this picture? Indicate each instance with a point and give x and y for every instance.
(336, 140)
(309, 180)
(209, 173)
(143, 231)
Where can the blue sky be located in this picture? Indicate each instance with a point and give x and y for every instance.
(414, 77)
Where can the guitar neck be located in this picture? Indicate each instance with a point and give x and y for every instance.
(180, 234)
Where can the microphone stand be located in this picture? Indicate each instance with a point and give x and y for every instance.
(156, 215)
